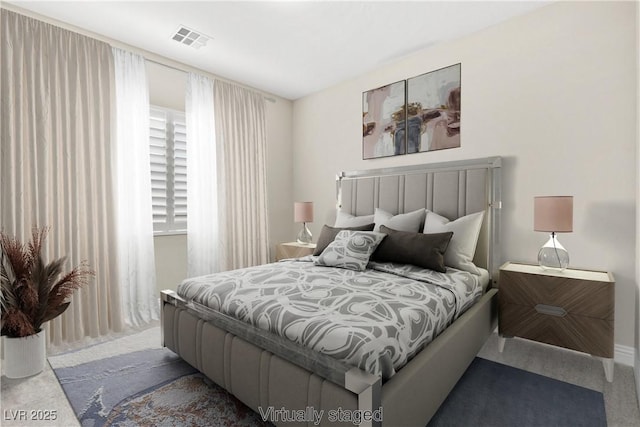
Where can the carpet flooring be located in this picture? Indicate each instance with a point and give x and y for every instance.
(493, 394)
(155, 387)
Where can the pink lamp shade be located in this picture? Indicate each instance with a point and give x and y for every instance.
(553, 214)
(303, 212)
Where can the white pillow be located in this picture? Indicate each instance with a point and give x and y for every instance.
(350, 250)
(462, 246)
(402, 222)
(344, 220)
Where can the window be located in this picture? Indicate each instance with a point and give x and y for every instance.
(168, 149)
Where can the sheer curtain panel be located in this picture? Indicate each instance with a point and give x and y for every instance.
(203, 239)
(241, 135)
(55, 164)
(134, 220)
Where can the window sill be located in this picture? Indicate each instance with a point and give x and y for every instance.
(169, 233)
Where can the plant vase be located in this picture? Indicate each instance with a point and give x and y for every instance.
(25, 356)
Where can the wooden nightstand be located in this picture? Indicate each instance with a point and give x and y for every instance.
(572, 309)
(294, 250)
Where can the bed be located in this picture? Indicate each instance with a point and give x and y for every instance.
(295, 383)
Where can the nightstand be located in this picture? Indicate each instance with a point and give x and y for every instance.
(294, 250)
(572, 309)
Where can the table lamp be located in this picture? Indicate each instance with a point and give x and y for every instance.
(303, 212)
(553, 214)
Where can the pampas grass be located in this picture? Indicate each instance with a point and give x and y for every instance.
(32, 292)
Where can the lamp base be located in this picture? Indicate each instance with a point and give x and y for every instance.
(553, 256)
(304, 236)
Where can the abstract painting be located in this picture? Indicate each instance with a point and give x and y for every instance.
(383, 121)
(433, 111)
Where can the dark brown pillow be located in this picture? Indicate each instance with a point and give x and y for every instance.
(328, 235)
(422, 250)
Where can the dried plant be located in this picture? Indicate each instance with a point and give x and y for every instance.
(32, 292)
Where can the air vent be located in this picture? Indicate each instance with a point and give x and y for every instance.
(190, 37)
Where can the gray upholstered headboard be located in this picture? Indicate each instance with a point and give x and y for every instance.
(451, 189)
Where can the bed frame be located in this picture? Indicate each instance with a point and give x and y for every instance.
(266, 371)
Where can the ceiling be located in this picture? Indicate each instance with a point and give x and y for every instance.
(287, 48)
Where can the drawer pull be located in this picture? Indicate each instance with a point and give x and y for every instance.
(551, 310)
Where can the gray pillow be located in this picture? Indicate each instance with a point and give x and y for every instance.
(328, 235)
(466, 231)
(350, 250)
(422, 250)
(344, 219)
(409, 221)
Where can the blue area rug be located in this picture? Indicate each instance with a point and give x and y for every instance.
(149, 388)
(156, 387)
(492, 394)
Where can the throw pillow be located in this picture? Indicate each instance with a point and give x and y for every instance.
(328, 235)
(350, 250)
(422, 250)
(344, 219)
(410, 221)
(462, 246)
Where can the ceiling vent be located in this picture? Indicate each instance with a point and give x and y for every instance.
(190, 37)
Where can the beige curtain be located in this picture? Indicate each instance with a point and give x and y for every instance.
(55, 161)
(241, 139)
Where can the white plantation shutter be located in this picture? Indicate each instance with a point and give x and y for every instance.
(158, 154)
(168, 156)
(180, 171)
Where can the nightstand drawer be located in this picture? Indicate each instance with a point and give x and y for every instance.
(587, 334)
(575, 296)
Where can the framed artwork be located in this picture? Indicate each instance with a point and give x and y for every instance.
(433, 112)
(383, 121)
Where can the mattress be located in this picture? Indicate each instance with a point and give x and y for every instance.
(376, 320)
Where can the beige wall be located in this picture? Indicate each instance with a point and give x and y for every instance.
(553, 93)
(171, 260)
(167, 89)
(637, 319)
(279, 172)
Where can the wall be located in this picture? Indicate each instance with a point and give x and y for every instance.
(553, 93)
(637, 319)
(167, 89)
(279, 172)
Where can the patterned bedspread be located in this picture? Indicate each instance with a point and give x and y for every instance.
(376, 320)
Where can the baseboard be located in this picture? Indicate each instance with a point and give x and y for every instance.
(637, 370)
(624, 355)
